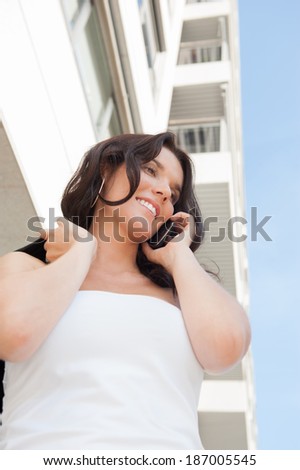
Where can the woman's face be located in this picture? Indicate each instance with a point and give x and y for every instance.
(152, 203)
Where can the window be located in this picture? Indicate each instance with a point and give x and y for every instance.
(72, 9)
(149, 30)
(93, 65)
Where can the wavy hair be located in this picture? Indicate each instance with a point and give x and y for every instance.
(134, 150)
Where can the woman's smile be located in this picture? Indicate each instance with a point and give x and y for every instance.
(150, 205)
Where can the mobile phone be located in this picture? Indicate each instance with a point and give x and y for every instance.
(166, 232)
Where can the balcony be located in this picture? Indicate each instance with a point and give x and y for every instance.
(197, 52)
(198, 138)
(209, 38)
(204, 52)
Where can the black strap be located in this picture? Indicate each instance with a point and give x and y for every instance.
(36, 249)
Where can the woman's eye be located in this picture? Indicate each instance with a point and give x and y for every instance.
(150, 170)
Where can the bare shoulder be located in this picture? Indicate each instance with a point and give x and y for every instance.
(17, 262)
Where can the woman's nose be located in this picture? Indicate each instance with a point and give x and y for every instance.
(164, 190)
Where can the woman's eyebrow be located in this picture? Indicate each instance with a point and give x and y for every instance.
(161, 166)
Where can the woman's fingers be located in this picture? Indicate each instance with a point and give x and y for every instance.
(46, 233)
(182, 218)
(43, 233)
(56, 243)
(185, 219)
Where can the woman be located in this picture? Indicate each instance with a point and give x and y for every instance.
(105, 344)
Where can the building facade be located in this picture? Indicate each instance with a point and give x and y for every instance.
(78, 71)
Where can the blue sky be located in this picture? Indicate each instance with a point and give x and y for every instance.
(270, 82)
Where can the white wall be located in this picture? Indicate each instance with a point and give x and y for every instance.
(206, 10)
(212, 167)
(42, 105)
(200, 74)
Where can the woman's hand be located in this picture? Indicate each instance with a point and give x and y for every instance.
(166, 255)
(62, 238)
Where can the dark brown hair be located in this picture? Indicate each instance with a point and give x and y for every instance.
(134, 150)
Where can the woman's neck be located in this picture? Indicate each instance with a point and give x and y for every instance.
(116, 254)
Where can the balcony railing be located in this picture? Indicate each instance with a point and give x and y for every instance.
(200, 51)
(198, 138)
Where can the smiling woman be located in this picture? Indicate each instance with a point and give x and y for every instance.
(128, 163)
(106, 343)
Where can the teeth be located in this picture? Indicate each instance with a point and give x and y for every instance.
(148, 205)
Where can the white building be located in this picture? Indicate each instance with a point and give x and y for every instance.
(76, 71)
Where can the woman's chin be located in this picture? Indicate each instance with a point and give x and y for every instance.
(138, 237)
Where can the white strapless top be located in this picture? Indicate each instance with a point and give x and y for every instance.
(117, 372)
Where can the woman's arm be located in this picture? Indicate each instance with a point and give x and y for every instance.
(33, 295)
(217, 325)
